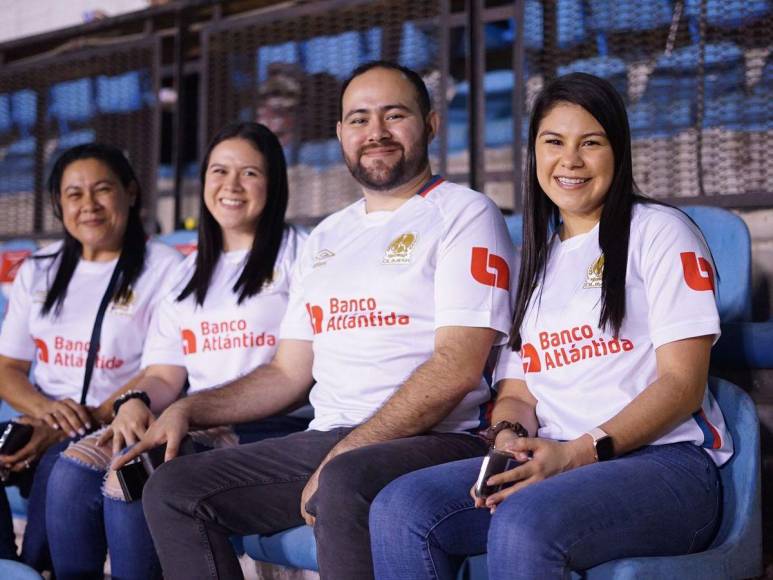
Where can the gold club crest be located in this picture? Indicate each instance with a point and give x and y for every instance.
(595, 273)
(124, 305)
(400, 250)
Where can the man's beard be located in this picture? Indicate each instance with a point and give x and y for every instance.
(382, 177)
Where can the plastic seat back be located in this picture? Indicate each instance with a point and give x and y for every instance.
(730, 244)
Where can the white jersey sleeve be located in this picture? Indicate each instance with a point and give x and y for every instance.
(296, 323)
(679, 278)
(162, 345)
(16, 340)
(474, 269)
(509, 366)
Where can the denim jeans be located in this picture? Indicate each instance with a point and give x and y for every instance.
(660, 500)
(83, 524)
(194, 503)
(34, 550)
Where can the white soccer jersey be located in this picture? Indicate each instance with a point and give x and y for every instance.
(371, 289)
(221, 340)
(582, 376)
(62, 342)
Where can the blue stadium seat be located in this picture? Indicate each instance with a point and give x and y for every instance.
(616, 16)
(570, 24)
(184, 241)
(728, 13)
(607, 67)
(730, 244)
(339, 54)
(295, 548)
(737, 549)
(24, 110)
(320, 154)
(668, 103)
(17, 167)
(12, 570)
(286, 52)
(120, 93)
(5, 113)
(71, 101)
(514, 224)
(418, 50)
(678, 72)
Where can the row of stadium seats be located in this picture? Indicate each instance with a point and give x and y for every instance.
(743, 344)
(76, 101)
(579, 21)
(339, 54)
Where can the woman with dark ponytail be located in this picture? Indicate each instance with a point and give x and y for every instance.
(602, 405)
(52, 311)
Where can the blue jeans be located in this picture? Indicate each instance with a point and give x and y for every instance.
(660, 500)
(82, 523)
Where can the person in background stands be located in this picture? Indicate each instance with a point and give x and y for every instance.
(218, 319)
(394, 307)
(53, 307)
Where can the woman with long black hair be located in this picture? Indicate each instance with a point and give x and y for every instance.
(52, 312)
(602, 400)
(218, 319)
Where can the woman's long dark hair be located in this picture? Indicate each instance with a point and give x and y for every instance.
(132, 258)
(259, 268)
(541, 215)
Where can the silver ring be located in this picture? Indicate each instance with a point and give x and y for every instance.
(26, 464)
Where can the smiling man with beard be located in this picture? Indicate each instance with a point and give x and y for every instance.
(394, 307)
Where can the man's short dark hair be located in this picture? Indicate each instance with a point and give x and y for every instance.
(422, 94)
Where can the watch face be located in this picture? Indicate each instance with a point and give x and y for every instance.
(605, 448)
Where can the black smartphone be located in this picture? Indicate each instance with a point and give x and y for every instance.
(14, 436)
(494, 462)
(134, 474)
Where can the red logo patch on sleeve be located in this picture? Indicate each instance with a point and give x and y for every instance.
(490, 269)
(42, 350)
(189, 341)
(698, 273)
(530, 356)
(315, 317)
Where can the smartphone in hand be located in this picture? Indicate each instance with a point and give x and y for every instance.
(495, 462)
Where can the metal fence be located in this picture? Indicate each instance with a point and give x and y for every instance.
(50, 103)
(696, 75)
(285, 69)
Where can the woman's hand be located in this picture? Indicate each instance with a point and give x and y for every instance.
(546, 458)
(67, 415)
(42, 438)
(130, 424)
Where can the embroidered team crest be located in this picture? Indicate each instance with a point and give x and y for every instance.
(595, 273)
(124, 305)
(321, 258)
(400, 250)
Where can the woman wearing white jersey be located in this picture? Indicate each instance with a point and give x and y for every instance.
(614, 321)
(53, 307)
(218, 319)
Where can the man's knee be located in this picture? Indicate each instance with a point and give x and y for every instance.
(345, 475)
(163, 486)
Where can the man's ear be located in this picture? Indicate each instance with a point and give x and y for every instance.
(338, 131)
(433, 122)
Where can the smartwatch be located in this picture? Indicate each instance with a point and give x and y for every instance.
(603, 446)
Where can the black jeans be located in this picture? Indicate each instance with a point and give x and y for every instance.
(194, 503)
